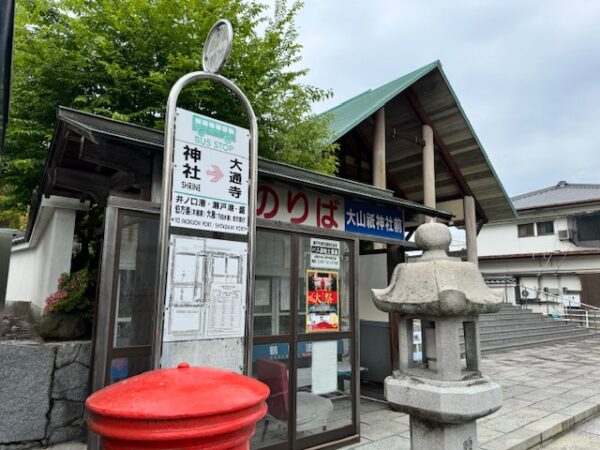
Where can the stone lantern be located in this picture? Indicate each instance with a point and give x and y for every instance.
(444, 391)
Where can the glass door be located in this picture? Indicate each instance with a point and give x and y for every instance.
(324, 344)
(304, 339)
(126, 299)
(271, 359)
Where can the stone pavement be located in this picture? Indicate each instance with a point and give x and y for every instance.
(584, 437)
(547, 390)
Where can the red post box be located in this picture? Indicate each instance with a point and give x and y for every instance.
(182, 408)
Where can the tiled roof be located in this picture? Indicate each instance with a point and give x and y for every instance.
(560, 194)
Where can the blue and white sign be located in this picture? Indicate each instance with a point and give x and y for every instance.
(375, 220)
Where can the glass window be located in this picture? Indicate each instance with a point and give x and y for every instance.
(545, 228)
(526, 230)
(272, 284)
(323, 398)
(136, 281)
(587, 228)
(270, 364)
(324, 294)
(128, 366)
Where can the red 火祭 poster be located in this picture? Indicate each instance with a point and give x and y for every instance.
(322, 301)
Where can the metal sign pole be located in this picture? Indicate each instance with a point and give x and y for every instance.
(166, 199)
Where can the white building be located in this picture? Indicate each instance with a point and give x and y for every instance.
(551, 250)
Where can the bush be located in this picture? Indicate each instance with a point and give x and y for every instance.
(72, 295)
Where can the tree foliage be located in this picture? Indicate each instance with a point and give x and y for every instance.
(119, 58)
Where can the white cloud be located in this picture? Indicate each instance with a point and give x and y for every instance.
(526, 72)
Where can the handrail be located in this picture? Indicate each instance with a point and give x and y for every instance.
(557, 297)
(585, 305)
(567, 314)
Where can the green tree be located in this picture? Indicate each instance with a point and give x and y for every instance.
(119, 58)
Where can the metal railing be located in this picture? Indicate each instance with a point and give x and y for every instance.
(583, 314)
(579, 313)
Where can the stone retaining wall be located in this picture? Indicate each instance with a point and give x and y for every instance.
(43, 388)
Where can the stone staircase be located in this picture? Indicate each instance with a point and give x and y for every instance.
(513, 327)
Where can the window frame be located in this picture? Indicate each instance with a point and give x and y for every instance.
(537, 228)
(521, 226)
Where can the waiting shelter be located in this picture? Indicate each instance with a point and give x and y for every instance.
(407, 154)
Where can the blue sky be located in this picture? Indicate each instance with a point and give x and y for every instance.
(526, 72)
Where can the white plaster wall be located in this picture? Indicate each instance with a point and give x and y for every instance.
(35, 266)
(506, 292)
(550, 264)
(502, 239)
(571, 282)
(372, 274)
(22, 268)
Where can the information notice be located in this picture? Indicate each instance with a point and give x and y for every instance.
(206, 289)
(324, 254)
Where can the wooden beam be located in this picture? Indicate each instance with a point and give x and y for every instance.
(449, 162)
(121, 158)
(417, 140)
(392, 181)
(94, 185)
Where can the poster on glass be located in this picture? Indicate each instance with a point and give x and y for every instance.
(322, 301)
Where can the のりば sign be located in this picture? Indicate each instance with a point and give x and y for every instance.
(287, 203)
(210, 175)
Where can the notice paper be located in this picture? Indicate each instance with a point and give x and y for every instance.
(324, 367)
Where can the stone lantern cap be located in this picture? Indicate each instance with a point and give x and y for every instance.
(435, 284)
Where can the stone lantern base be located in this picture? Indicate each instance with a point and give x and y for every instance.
(425, 435)
(443, 413)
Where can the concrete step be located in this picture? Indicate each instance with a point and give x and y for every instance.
(516, 327)
(508, 313)
(513, 308)
(502, 318)
(533, 343)
(525, 318)
(536, 332)
(508, 339)
(511, 326)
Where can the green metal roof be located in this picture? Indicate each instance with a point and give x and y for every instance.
(352, 112)
(447, 115)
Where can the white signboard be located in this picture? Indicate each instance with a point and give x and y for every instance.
(206, 289)
(324, 367)
(324, 254)
(210, 175)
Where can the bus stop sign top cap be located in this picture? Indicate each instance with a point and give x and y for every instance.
(185, 407)
(217, 46)
(436, 284)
